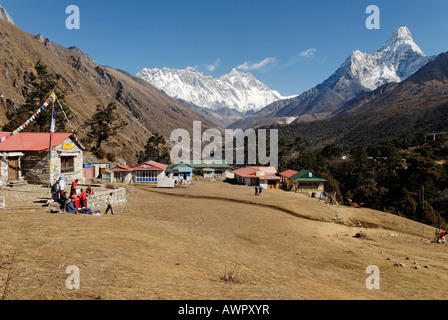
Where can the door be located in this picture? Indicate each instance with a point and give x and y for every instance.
(13, 169)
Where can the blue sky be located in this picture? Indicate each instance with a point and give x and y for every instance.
(290, 45)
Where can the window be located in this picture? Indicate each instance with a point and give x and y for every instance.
(67, 164)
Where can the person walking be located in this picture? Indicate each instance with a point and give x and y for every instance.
(256, 191)
(261, 190)
(109, 204)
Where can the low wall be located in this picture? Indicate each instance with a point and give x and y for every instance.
(99, 200)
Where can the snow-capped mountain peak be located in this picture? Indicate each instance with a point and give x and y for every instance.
(401, 36)
(5, 16)
(395, 61)
(235, 90)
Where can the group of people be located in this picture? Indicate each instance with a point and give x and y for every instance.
(258, 190)
(72, 203)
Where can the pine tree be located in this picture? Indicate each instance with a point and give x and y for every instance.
(38, 88)
(155, 150)
(104, 124)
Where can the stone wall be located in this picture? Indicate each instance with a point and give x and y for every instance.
(99, 200)
(36, 167)
(3, 171)
(78, 162)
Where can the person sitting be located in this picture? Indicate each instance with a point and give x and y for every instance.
(74, 185)
(70, 207)
(442, 236)
(83, 199)
(75, 199)
(89, 191)
(64, 201)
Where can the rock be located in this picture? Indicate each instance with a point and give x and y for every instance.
(398, 264)
(427, 267)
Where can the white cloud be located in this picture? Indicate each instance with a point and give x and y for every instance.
(308, 53)
(214, 65)
(246, 66)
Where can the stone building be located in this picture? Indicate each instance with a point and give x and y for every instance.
(25, 157)
(94, 167)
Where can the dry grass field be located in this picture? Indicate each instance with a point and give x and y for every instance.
(214, 240)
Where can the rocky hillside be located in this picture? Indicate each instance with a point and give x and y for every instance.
(418, 104)
(395, 61)
(88, 84)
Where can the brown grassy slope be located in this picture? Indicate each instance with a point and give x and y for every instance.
(175, 246)
(146, 109)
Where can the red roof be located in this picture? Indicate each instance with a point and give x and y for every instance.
(251, 172)
(31, 141)
(288, 173)
(121, 169)
(150, 166)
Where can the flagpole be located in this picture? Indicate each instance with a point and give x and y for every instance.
(52, 129)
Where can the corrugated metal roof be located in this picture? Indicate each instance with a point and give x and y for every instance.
(150, 166)
(305, 175)
(288, 173)
(178, 165)
(121, 169)
(216, 164)
(31, 141)
(251, 172)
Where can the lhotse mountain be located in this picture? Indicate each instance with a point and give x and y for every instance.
(395, 61)
(235, 90)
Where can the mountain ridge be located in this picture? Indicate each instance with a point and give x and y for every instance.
(361, 72)
(87, 85)
(417, 104)
(235, 90)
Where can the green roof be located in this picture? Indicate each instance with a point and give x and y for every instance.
(177, 165)
(207, 164)
(305, 175)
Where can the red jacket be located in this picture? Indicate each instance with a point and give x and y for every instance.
(83, 196)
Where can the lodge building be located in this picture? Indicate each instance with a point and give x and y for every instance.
(24, 157)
